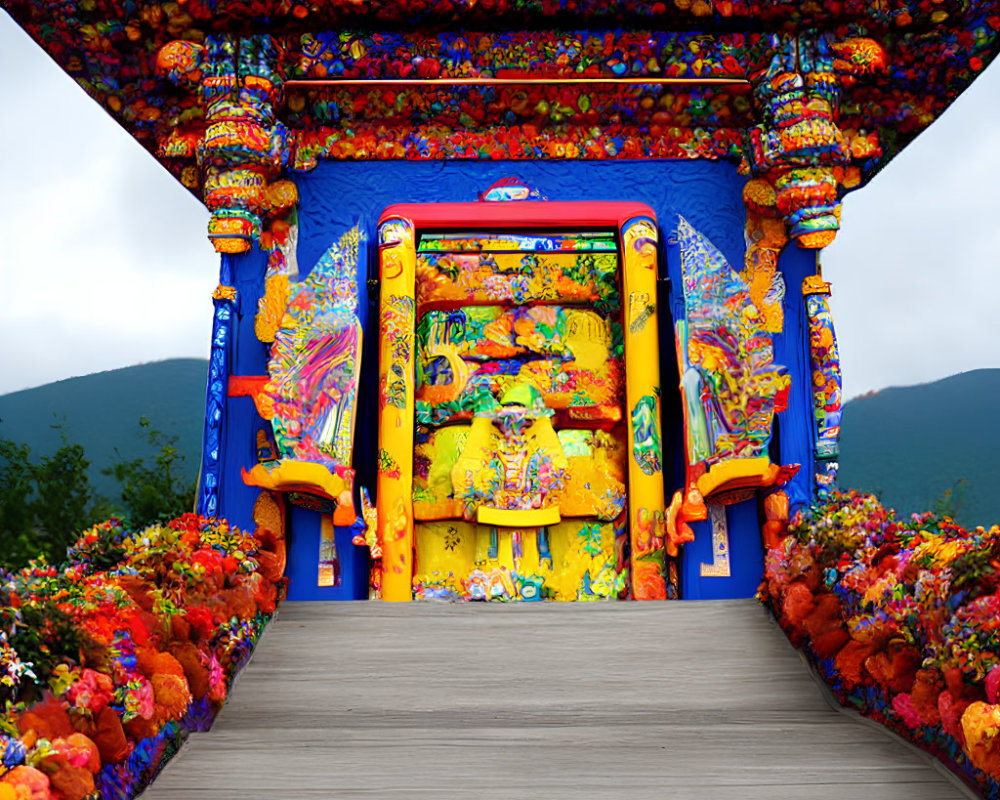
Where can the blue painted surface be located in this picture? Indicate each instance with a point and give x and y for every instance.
(796, 425)
(219, 360)
(303, 561)
(240, 419)
(336, 195)
(746, 557)
(794, 440)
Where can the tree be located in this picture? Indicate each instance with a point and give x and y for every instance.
(16, 489)
(44, 505)
(152, 493)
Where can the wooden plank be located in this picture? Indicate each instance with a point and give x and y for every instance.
(693, 700)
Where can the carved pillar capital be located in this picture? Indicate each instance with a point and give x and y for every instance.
(797, 147)
(240, 148)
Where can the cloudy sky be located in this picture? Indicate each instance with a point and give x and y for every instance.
(104, 261)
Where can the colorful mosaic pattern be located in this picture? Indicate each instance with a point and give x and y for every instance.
(315, 360)
(467, 358)
(161, 70)
(574, 560)
(219, 362)
(512, 459)
(727, 373)
(825, 361)
(506, 268)
(525, 451)
(575, 53)
(900, 618)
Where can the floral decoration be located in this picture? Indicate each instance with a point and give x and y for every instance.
(109, 660)
(190, 88)
(901, 618)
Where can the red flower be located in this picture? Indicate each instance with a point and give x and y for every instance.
(92, 692)
(201, 621)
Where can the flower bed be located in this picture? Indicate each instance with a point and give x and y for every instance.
(902, 621)
(107, 662)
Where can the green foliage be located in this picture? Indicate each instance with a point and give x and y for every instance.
(45, 504)
(16, 489)
(153, 492)
(44, 636)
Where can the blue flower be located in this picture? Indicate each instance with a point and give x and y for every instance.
(14, 751)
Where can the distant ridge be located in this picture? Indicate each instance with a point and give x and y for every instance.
(909, 444)
(102, 412)
(906, 444)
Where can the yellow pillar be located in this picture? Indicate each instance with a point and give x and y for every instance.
(642, 393)
(397, 312)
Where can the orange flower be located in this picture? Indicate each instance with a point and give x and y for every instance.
(926, 688)
(172, 695)
(824, 617)
(649, 583)
(850, 660)
(47, 720)
(829, 643)
(29, 783)
(107, 734)
(189, 658)
(981, 727)
(72, 783)
(797, 604)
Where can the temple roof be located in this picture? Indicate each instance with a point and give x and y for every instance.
(521, 78)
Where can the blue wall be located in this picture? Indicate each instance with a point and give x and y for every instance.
(336, 195)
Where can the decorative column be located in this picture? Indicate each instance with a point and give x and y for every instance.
(397, 318)
(647, 521)
(241, 147)
(801, 162)
(224, 300)
(826, 380)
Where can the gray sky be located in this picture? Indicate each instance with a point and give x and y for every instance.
(104, 260)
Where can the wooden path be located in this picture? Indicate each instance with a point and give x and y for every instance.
(549, 701)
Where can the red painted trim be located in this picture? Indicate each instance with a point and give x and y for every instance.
(732, 80)
(523, 214)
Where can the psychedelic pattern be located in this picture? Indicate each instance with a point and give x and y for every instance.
(227, 114)
(730, 385)
(524, 374)
(522, 418)
(576, 560)
(899, 619)
(826, 380)
(512, 460)
(593, 53)
(503, 268)
(595, 475)
(220, 356)
(467, 358)
(311, 396)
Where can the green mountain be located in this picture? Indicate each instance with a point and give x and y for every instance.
(102, 411)
(908, 445)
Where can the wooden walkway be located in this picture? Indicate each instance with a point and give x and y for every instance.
(553, 701)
